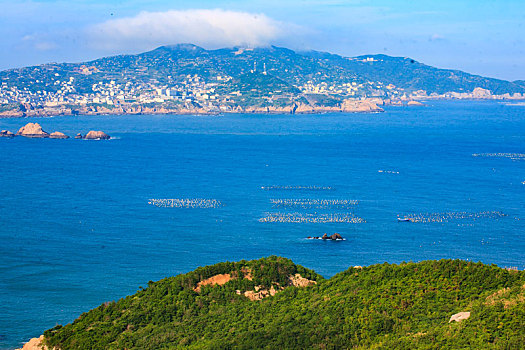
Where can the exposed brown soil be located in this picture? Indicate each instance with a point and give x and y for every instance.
(217, 279)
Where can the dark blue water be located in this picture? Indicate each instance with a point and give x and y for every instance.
(76, 229)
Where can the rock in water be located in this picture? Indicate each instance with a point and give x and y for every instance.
(96, 135)
(58, 135)
(78, 136)
(334, 237)
(6, 133)
(35, 344)
(32, 130)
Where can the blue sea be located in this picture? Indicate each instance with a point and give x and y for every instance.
(77, 229)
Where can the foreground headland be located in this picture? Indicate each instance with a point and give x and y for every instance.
(274, 303)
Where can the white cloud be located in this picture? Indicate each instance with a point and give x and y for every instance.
(209, 28)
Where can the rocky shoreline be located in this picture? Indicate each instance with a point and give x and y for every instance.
(34, 344)
(366, 105)
(34, 130)
(348, 106)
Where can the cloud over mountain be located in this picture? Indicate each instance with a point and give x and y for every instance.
(209, 28)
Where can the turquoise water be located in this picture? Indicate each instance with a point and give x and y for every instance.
(76, 228)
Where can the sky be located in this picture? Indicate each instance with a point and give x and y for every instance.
(485, 37)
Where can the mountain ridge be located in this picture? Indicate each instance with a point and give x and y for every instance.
(188, 78)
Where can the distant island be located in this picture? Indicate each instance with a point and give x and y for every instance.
(272, 303)
(187, 79)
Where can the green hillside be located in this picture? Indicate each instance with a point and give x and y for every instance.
(406, 306)
(172, 64)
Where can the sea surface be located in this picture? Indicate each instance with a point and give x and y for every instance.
(77, 229)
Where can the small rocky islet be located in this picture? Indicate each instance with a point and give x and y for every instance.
(333, 237)
(34, 130)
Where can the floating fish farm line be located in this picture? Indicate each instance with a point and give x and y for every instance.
(388, 171)
(301, 188)
(312, 218)
(450, 216)
(306, 203)
(513, 156)
(185, 203)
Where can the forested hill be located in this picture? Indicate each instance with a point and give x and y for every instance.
(311, 71)
(273, 303)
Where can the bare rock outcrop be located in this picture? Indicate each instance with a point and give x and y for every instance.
(304, 108)
(481, 93)
(6, 133)
(260, 293)
(78, 136)
(58, 135)
(299, 281)
(414, 103)
(350, 105)
(460, 316)
(96, 135)
(32, 130)
(35, 344)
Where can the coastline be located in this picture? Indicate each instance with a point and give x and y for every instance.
(348, 106)
(367, 105)
(34, 344)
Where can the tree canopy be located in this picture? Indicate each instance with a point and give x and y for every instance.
(381, 306)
